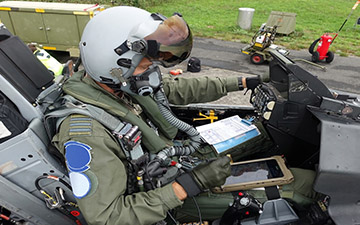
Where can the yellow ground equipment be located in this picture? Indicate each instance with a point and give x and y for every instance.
(260, 43)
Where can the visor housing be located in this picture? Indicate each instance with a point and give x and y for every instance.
(174, 40)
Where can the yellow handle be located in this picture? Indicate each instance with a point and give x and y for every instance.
(211, 116)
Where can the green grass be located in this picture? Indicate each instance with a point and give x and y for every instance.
(218, 19)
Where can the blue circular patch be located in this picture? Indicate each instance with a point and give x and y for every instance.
(77, 156)
(80, 183)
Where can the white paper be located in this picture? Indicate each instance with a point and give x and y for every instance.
(224, 129)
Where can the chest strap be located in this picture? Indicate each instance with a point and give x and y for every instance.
(129, 136)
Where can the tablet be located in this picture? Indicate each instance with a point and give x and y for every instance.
(257, 173)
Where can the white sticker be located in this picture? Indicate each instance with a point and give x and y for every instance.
(80, 184)
(4, 132)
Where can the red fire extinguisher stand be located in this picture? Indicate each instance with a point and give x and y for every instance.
(322, 52)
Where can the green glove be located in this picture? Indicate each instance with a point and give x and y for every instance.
(205, 176)
(212, 174)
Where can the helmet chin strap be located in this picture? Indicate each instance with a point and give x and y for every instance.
(135, 61)
(125, 77)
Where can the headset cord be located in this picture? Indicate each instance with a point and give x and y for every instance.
(198, 209)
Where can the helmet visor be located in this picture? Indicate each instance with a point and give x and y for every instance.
(175, 41)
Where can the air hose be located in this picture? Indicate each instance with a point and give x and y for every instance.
(194, 135)
(312, 46)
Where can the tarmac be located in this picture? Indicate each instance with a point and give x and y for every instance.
(223, 58)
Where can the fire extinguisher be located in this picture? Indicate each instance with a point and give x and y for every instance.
(322, 52)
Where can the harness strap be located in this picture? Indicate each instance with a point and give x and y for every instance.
(105, 118)
(120, 130)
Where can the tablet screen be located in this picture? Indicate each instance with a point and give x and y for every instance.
(255, 171)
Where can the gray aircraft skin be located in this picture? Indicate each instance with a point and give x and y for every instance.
(310, 125)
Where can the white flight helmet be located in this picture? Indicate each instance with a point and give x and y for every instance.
(115, 41)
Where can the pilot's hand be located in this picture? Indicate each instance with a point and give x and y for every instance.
(205, 176)
(252, 82)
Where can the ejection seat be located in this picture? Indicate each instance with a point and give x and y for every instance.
(25, 88)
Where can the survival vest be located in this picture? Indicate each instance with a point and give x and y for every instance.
(87, 91)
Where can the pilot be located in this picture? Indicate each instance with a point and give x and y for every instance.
(121, 50)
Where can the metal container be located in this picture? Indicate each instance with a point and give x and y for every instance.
(245, 18)
(53, 26)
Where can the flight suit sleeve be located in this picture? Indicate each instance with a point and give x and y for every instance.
(185, 90)
(104, 202)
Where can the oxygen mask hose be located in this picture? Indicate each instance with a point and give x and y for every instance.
(194, 135)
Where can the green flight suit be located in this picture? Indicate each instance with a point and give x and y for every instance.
(106, 203)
